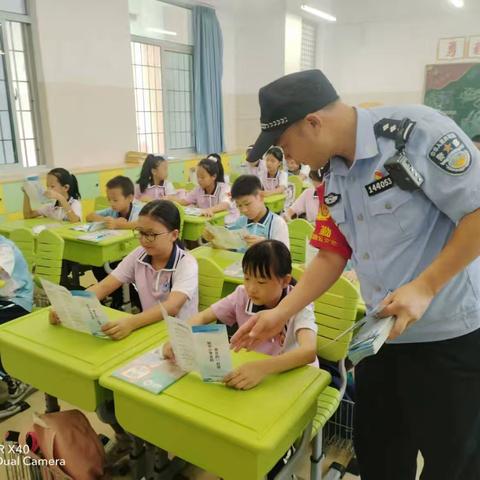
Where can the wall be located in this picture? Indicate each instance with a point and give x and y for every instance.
(259, 59)
(382, 56)
(82, 54)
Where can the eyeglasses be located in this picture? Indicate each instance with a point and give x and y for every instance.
(149, 236)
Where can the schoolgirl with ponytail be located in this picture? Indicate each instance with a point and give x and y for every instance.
(62, 186)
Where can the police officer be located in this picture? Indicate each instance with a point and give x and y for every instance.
(404, 189)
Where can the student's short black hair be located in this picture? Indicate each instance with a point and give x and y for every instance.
(476, 138)
(315, 175)
(267, 259)
(246, 185)
(124, 183)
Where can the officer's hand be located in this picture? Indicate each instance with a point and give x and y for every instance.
(259, 328)
(408, 303)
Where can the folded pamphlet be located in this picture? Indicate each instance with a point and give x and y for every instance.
(202, 348)
(227, 239)
(370, 337)
(77, 309)
(150, 372)
(36, 192)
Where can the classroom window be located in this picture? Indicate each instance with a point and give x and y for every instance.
(179, 99)
(162, 58)
(147, 79)
(162, 77)
(18, 132)
(309, 44)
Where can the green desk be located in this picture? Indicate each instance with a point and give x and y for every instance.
(275, 203)
(193, 225)
(67, 364)
(85, 252)
(6, 228)
(234, 434)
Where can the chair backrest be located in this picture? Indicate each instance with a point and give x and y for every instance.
(335, 312)
(299, 230)
(297, 182)
(182, 219)
(101, 203)
(210, 283)
(48, 263)
(25, 241)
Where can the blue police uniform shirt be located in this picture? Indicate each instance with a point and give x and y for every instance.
(17, 286)
(396, 234)
(134, 211)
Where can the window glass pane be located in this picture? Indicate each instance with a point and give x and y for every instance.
(147, 85)
(178, 77)
(14, 6)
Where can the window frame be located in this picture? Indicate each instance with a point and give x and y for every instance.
(165, 46)
(33, 86)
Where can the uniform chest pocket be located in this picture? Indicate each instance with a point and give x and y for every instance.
(396, 212)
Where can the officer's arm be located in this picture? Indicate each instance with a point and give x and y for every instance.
(322, 272)
(462, 248)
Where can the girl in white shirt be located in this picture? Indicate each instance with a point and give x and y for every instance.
(152, 184)
(62, 186)
(274, 179)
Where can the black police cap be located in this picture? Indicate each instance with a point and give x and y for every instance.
(287, 100)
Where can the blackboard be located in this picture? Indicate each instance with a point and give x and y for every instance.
(455, 90)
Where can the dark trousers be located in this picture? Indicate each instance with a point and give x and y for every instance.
(117, 296)
(420, 397)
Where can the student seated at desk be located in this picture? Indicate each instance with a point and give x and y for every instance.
(216, 157)
(16, 300)
(152, 184)
(62, 186)
(160, 269)
(307, 204)
(274, 179)
(212, 193)
(294, 168)
(267, 268)
(256, 167)
(255, 217)
(123, 211)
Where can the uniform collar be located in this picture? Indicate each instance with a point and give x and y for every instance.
(253, 308)
(129, 212)
(215, 190)
(171, 263)
(262, 220)
(365, 143)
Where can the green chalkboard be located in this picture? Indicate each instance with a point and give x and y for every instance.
(455, 90)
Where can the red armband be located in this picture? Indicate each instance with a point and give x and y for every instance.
(327, 235)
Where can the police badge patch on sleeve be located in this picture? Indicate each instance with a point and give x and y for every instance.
(451, 154)
(332, 199)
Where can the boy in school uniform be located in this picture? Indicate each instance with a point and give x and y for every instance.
(122, 214)
(260, 222)
(124, 210)
(16, 300)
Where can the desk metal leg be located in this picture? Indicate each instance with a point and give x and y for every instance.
(159, 467)
(138, 459)
(51, 404)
